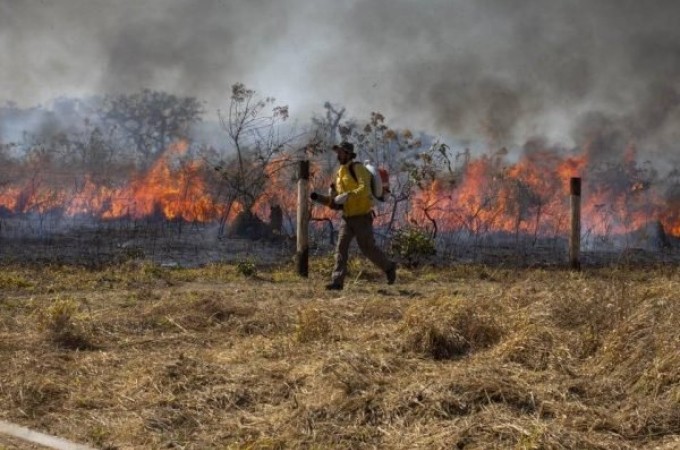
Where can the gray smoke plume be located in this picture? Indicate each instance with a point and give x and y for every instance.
(583, 72)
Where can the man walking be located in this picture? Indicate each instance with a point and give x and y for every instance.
(353, 192)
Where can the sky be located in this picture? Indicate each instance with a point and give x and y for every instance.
(500, 71)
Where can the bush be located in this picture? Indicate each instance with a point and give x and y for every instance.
(412, 246)
(246, 268)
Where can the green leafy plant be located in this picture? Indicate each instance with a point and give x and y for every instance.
(412, 245)
(246, 268)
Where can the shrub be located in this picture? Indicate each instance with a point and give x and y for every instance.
(412, 246)
(246, 268)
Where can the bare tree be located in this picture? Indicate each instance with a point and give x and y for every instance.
(251, 123)
(326, 131)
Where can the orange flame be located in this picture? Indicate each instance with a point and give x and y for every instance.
(171, 187)
(176, 192)
(530, 196)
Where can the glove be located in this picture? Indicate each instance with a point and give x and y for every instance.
(341, 199)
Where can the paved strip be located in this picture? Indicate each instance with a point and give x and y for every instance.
(35, 437)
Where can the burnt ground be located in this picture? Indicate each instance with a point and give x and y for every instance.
(175, 244)
(164, 243)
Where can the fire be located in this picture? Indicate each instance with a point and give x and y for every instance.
(529, 196)
(175, 192)
(281, 190)
(172, 188)
(490, 197)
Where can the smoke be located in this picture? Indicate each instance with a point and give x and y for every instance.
(600, 73)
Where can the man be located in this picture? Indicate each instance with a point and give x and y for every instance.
(353, 192)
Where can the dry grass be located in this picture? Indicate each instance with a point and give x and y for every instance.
(468, 357)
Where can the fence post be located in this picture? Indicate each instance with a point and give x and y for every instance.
(302, 256)
(575, 236)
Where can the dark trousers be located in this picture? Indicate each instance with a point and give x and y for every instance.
(360, 227)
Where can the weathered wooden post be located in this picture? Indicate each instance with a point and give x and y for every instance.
(302, 256)
(575, 236)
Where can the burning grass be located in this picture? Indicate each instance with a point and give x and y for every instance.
(470, 357)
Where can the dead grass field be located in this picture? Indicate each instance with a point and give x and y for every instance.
(138, 356)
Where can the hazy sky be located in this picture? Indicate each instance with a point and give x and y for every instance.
(503, 70)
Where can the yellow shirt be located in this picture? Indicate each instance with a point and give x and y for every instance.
(360, 200)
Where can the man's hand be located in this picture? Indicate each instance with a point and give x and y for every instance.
(341, 199)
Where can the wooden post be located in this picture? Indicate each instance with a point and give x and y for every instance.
(575, 236)
(302, 256)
